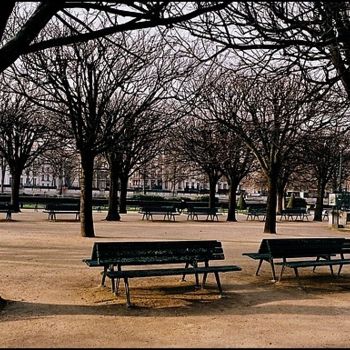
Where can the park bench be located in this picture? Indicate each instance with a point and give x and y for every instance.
(256, 213)
(114, 256)
(167, 211)
(210, 213)
(52, 209)
(321, 249)
(294, 214)
(8, 209)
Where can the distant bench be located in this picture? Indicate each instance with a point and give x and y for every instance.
(168, 212)
(114, 256)
(256, 213)
(294, 214)
(8, 209)
(52, 209)
(321, 249)
(210, 213)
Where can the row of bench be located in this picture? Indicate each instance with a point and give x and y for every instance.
(290, 214)
(170, 212)
(197, 255)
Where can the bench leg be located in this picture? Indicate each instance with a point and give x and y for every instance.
(117, 283)
(314, 268)
(281, 273)
(205, 274)
(340, 267)
(104, 276)
(259, 266)
(127, 292)
(218, 281)
(297, 276)
(273, 270)
(183, 276)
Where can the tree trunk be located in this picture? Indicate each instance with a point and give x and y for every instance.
(231, 215)
(280, 198)
(270, 222)
(212, 187)
(319, 201)
(113, 203)
(16, 181)
(123, 193)
(86, 219)
(3, 172)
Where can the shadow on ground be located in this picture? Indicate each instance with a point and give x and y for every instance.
(253, 298)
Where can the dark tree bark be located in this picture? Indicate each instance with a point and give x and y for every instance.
(86, 217)
(16, 172)
(213, 180)
(232, 200)
(123, 193)
(321, 187)
(113, 202)
(270, 222)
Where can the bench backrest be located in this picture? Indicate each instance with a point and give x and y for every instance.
(158, 252)
(257, 210)
(205, 210)
(159, 209)
(63, 206)
(346, 246)
(301, 247)
(157, 204)
(295, 210)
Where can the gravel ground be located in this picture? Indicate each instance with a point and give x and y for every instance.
(54, 300)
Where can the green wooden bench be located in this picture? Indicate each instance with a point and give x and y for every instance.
(321, 249)
(52, 209)
(294, 214)
(115, 256)
(210, 213)
(8, 209)
(167, 211)
(256, 213)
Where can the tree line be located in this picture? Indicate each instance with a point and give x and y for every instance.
(270, 95)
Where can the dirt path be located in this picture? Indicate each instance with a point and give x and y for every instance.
(55, 299)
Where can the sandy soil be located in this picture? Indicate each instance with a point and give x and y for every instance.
(54, 299)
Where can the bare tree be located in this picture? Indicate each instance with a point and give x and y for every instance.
(271, 116)
(199, 143)
(322, 158)
(64, 163)
(237, 162)
(24, 25)
(80, 84)
(24, 136)
(307, 36)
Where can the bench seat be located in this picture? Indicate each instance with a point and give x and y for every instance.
(171, 271)
(311, 263)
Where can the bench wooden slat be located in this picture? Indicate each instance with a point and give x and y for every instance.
(171, 272)
(308, 263)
